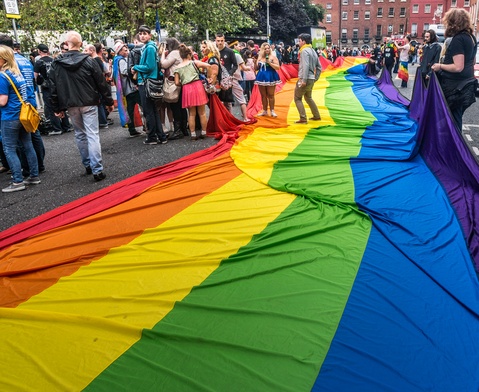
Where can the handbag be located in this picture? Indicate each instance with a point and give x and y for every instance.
(154, 89)
(209, 88)
(171, 91)
(29, 116)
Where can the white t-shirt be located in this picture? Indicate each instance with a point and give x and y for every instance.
(239, 60)
(404, 53)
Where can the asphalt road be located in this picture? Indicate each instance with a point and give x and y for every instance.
(65, 179)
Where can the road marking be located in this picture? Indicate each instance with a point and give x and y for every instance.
(468, 137)
(476, 150)
(471, 125)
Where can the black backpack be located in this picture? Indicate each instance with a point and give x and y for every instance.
(133, 59)
(43, 78)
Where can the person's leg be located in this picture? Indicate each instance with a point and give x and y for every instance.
(298, 100)
(10, 136)
(270, 95)
(26, 140)
(39, 148)
(264, 98)
(148, 112)
(203, 120)
(130, 108)
(81, 141)
(192, 121)
(92, 135)
(457, 113)
(157, 119)
(102, 117)
(308, 97)
(48, 111)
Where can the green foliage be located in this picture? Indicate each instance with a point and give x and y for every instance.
(285, 17)
(95, 19)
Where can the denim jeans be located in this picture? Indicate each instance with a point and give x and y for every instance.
(12, 132)
(152, 116)
(305, 91)
(87, 136)
(39, 148)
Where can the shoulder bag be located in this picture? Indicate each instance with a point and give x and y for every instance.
(29, 116)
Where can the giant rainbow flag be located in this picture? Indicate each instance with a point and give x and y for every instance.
(340, 255)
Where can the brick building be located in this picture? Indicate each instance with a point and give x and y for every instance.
(354, 23)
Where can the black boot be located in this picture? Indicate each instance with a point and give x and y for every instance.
(177, 134)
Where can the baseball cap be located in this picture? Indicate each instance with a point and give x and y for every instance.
(119, 46)
(43, 48)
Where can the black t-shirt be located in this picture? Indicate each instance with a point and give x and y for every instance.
(462, 43)
(388, 54)
(228, 59)
(42, 67)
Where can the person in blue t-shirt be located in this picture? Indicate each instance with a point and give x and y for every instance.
(26, 69)
(11, 127)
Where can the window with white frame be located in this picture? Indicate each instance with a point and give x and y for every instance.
(329, 36)
(344, 34)
(356, 2)
(367, 2)
(380, 12)
(328, 18)
(426, 26)
(401, 29)
(329, 6)
(415, 8)
(356, 15)
(345, 2)
(366, 32)
(453, 3)
(414, 29)
(390, 29)
(402, 12)
(427, 8)
(467, 3)
(367, 15)
(355, 33)
(345, 16)
(379, 30)
(391, 12)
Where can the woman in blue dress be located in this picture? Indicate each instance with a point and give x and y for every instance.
(267, 78)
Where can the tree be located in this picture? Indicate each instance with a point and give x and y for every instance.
(285, 17)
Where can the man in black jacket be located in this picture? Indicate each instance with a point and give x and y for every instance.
(431, 51)
(228, 60)
(76, 83)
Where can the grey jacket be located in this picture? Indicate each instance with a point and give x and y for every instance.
(309, 65)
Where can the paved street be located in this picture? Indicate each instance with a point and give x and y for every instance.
(65, 181)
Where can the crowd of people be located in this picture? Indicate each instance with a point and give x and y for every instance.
(76, 86)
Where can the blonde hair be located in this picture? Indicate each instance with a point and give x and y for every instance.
(211, 48)
(7, 54)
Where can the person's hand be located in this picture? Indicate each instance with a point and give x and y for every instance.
(301, 83)
(436, 67)
(110, 108)
(60, 114)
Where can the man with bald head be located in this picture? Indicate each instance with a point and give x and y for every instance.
(77, 83)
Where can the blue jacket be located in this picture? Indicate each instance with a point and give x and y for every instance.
(148, 67)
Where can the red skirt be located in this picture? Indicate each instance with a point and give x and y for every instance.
(193, 94)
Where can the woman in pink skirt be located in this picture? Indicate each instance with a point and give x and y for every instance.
(194, 98)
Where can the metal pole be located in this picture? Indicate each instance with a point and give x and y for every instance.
(207, 34)
(268, 28)
(15, 30)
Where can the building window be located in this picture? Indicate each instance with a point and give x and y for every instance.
(380, 12)
(402, 12)
(466, 3)
(367, 2)
(380, 1)
(355, 33)
(356, 2)
(427, 8)
(391, 12)
(356, 15)
(426, 26)
(344, 34)
(345, 15)
(366, 32)
(453, 3)
(329, 6)
(415, 8)
(414, 29)
(328, 37)
(401, 29)
(379, 30)
(328, 18)
(345, 2)
(390, 29)
(367, 15)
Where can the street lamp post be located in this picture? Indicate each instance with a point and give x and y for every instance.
(268, 27)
